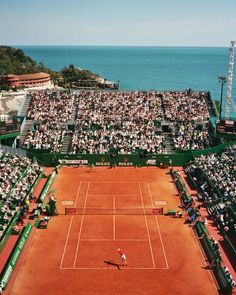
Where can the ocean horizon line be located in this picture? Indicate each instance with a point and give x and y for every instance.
(126, 46)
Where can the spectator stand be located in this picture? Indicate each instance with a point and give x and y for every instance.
(210, 246)
(95, 121)
(217, 188)
(18, 179)
(11, 205)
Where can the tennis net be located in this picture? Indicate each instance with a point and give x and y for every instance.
(111, 211)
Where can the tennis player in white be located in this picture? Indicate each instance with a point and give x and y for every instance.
(122, 257)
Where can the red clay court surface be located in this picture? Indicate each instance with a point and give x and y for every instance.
(162, 252)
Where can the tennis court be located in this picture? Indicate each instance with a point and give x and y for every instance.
(102, 210)
(110, 217)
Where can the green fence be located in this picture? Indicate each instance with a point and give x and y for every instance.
(49, 159)
(184, 195)
(223, 281)
(9, 268)
(214, 150)
(200, 229)
(211, 253)
(179, 158)
(47, 187)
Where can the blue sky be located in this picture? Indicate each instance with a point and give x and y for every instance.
(120, 22)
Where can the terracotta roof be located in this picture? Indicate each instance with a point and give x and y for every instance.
(11, 77)
(33, 76)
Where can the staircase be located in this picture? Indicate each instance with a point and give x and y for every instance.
(211, 209)
(73, 117)
(169, 143)
(66, 144)
(25, 107)
(74, 114)
(27, 127)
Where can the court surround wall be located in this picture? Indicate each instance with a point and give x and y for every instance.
(180, 158)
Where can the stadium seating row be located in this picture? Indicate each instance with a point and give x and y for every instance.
(17, 176)
(123, 121)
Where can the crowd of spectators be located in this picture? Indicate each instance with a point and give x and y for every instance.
(221, 170)
(45, 137)
(51, 107)
(125, 121)
(17, 174)
(229, 276)
(184, 106)
(215, 176)
(190, 136)
(51, 111)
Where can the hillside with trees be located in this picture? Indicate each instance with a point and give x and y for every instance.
(14, 61)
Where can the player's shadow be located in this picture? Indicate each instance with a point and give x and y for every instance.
(111, 262)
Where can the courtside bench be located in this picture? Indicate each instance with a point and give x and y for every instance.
(171, 212)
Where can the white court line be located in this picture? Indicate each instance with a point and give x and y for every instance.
(68, 233)
(145, 217)
(110, 240)
(112, 182)
(104, 268)
(114, 218)
(108, 195)
(81, 225)
(158, 228)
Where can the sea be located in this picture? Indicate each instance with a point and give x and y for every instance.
(145, 68)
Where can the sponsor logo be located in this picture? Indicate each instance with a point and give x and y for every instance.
(16, 255)
(151, 162)
(69, 203)
(160, 203)
(74, 162)
(102, 163)
(125, 163)
(7, 275)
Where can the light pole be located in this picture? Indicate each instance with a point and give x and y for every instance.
(222, 80)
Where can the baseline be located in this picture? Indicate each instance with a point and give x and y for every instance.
(104, 268)
(111, 240)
